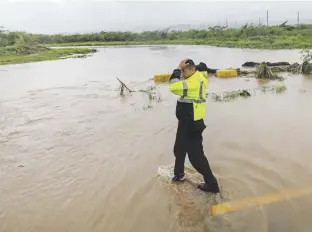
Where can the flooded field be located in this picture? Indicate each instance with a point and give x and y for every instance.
(77, 157)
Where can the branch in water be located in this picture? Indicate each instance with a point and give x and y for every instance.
(123, 86)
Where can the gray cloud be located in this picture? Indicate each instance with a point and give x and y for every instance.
(65, 16)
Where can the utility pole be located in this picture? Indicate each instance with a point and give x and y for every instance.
(259, 22)
(298, 18)
(226, 22)
(267, 17)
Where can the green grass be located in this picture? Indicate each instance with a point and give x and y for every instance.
(256, 43)
(248, 36)
(21, 47)
(121, 43)
(50, 54)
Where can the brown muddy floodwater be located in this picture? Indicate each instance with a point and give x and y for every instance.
(77, 157)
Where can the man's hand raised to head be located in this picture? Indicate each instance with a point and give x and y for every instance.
(182, 64)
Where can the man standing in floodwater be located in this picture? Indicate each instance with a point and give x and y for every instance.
(190, 84)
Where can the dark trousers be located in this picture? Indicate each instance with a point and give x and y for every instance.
(189, 140)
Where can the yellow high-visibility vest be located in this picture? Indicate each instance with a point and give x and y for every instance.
(191, 91)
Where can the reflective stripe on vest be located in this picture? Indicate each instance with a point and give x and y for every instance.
(191, 100)
(201, 90)
(185, 88)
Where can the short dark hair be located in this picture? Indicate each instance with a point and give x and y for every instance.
(189, 62)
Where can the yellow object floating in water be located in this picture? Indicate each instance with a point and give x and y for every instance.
(162, 77)
(226, 73)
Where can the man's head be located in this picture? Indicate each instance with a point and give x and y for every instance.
(187, 67)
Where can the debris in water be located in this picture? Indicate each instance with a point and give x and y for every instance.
(252, 64)
(293, 68)
(280, 89)
(122, 87)
(152, 95)
(229, 95)
(264, 72)
(306, 57)
(273, 89)
(232, 95)
(244, 93)
(150, 92)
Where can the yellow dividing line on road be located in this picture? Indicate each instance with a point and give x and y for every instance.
(261, 200)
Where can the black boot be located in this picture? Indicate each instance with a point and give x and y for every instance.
(178, 178)
(209, 188)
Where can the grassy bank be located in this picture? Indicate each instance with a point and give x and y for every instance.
(256, 42)
(11, 57)
(21, 47)
(248, 36)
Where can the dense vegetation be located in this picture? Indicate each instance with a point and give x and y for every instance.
(13, 45)
(248, 36)
(284, 36)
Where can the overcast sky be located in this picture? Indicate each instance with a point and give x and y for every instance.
(78, 16)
